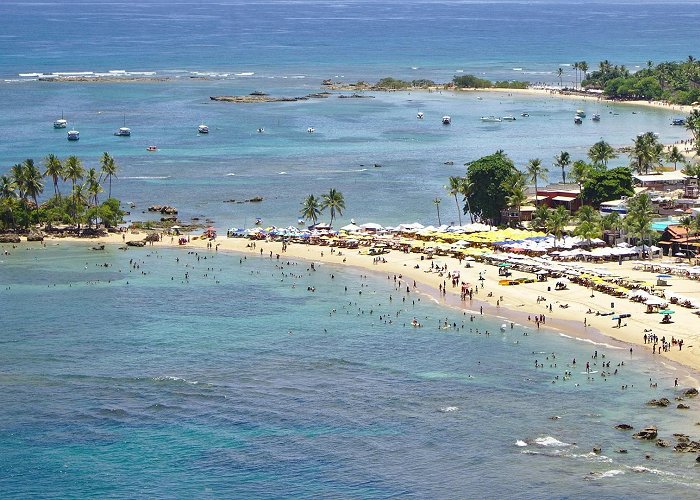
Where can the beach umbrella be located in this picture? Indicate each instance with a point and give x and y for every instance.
(666, 312)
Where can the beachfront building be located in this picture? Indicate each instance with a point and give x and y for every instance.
(511, 216)
(559, 194)
(661, 182)
(675, 240)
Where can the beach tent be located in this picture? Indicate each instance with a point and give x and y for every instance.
(350, 228)
(371, 226)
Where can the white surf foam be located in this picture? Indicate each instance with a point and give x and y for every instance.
(550, 441)
(448, 409)
(520, 443)
(245, 73)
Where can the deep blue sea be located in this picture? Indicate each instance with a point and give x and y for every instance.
(130, 381)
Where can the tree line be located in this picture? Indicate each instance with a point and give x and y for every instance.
(21, 187)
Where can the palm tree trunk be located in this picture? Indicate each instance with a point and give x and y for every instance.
(459, 212)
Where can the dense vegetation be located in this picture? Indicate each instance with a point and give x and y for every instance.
(675, 82)
(473, 82)
(21, 188)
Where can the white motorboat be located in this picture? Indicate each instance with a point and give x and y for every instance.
(446, 120)
(508, 118)
(578, 120)
(73, 135)
(595, 117)
(580, 113)
(311, 130)
(203, 129)
(152, 148)
(419, 115)
(490, 119)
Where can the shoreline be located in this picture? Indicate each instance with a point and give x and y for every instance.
(565, 310)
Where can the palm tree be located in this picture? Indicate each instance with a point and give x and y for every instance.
(588, 223)
(639, 216)
(335, 202)
(455, 188)
(576, 66)
(560, 73)
(583, 66)
(33, 181)
(79, 201)
(600, 153)
(7, 188)
(54, 169)
(109, 170)
(466, 188)
(646, 151)
(562, 161)
(535, 170)
(611, 222)
(515, 185)
(687, 223)
(18, 177)
(540, 216)
(557, 221)
(692, 123)
(581, 172)
(674, 156)
(311, 208)
(74, 171)
(92, 185)
(437, 206)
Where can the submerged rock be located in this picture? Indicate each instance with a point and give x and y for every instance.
(662, 443)
(624, 427)
(682, 406)
(136, 243)
(687, 447)
(690, 392)
(663, 402)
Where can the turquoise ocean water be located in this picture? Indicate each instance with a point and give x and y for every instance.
(236, 383)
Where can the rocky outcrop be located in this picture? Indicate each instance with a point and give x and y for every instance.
(136, 243)
(663, 402)
(624, 427)
(690, 392)
(687, 447)
(164, 209)
(682, 406)
(35, 236)
(649, 432)
(662, 443)
(254, 199)
(9, 238)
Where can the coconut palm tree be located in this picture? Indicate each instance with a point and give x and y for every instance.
(674, 155)
(576, 67)
(466, 188)
(640, 211)
(600, 153)
(79, 201)
(646, 151)
(588, 223)
(517, 196)
(311, 208)
(73, 170)
(562, 160)
(540, 216)
(109, 170)
(583, 66)
(54, 169)
(18, 174)
(692, 123)
(7, 188)
(335, 202)
(92, 186)
(437, 206)
(33, 181)
(688, 224)
(581, 172)
(557, 221)
(536, 170)
(454, 189)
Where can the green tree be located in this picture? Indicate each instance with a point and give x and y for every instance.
(437, 201)
(517, 195)
(540, 217)
(7, 188)
(607, 185)
(692, 123)
(33, 181)
(611, 222)
(581, 172)
(562, 160)
(335, 202)
(640, 213)
(18, 173)
(674, 155)
(536, 171)
(311, 208)
(54, 169)
(588, 223)
(489, 174)
(601, 152)
(557, 222)
(646, 151)
(92, 186)
(466, 188)
(455, 188)
(109, 170)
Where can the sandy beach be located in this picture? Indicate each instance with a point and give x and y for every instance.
(572, 311)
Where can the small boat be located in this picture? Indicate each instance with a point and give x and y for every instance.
(595, 117)
(123, 131)
(580, 113)
(311, 130)
(578, 120)
(301, 222)
(258, 221)
(491, 119)
(60, 123)
(446, 120)
(261, 130)
(419, 115)
(675, 121)
(152, 148)
(525, 114)
(73, 135)
(508, 118)
(203, 129)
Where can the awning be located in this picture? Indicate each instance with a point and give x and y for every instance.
(564, 198)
